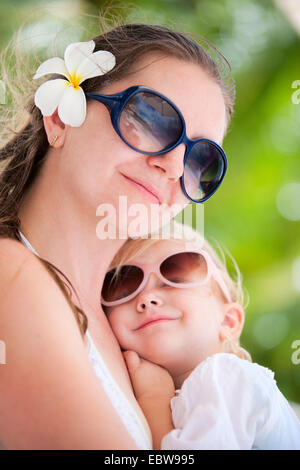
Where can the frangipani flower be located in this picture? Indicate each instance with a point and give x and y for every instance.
(79, 64)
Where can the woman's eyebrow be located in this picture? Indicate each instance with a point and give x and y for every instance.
(201, 136)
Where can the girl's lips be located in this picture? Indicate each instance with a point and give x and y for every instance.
(152, 322)
(144, 190)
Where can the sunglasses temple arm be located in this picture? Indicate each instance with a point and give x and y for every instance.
(108, 100)
(221, 283)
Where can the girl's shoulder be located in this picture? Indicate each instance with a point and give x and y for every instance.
(226, 370)
(224, 384)
(230, 363)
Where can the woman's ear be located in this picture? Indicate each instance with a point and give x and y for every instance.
(233, 321)
(55, 127)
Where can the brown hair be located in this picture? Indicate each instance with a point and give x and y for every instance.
(23, 149)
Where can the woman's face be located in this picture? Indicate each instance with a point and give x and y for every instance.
(97, 167)
(191, 331)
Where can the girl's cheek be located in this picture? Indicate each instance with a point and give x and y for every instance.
(114, 319)
(119, 321)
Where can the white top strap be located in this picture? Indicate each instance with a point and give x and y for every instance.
(26, 242)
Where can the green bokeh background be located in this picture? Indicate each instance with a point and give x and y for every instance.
(251, 213)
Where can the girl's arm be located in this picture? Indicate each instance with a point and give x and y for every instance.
(153, 388)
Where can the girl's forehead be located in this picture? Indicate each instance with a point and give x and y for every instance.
(159, 250)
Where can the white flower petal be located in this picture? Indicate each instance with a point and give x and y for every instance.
(96, 64)
(54, 65)
(76, 53)
(49, 94)
(72, 107)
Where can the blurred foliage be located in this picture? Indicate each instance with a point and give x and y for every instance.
(262, 146)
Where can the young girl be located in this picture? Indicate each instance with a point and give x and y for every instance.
(178, 315)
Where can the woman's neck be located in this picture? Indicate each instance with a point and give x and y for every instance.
(66, 237)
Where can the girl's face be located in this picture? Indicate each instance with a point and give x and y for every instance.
(97, 167)
(191, 331)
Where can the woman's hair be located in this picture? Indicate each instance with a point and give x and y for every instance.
(24, 144)
(133, 247)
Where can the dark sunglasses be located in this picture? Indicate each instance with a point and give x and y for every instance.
(182, 269)
(151, 124)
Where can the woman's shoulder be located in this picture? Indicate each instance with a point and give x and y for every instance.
(24, 280)
(13, 254)
(10, 246)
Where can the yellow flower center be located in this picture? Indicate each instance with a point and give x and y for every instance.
(74, 80)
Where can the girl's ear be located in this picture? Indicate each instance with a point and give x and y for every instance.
(233, 321)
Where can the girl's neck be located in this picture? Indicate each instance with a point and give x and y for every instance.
(182, 371)
(180, 378)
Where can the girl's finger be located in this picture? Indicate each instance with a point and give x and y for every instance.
(132, 359)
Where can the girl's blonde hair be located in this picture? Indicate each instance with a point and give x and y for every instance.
(133, 247)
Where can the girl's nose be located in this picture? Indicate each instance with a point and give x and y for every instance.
(171, 162)
(147, 297)
(147, 301)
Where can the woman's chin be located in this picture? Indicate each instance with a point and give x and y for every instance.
(137, 219)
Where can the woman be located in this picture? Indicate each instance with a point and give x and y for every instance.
(51, 397)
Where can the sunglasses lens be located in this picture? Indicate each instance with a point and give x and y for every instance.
(204, 170)
(149, 123)
(123, 285)
(183, 268)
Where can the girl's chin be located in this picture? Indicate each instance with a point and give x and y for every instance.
(164, 357)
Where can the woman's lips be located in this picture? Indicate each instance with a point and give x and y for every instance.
(144, 190)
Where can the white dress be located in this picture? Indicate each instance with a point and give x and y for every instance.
(231, 403)
(115, 394)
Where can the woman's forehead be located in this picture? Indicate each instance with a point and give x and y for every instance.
(189, 86)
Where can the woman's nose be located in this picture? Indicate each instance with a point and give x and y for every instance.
(171, 162)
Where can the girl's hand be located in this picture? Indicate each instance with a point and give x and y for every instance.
(148, 379)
